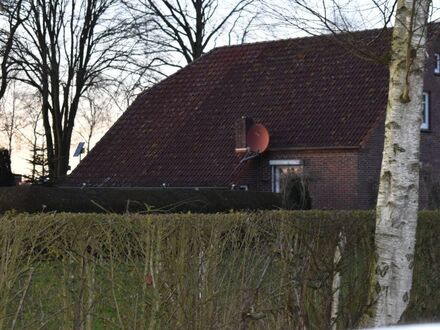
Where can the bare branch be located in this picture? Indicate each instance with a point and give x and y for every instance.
(188, 27)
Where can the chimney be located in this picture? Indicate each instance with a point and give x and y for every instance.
(241, 128)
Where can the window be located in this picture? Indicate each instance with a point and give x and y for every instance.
(425, 109)
(437, 63)
(281, 170)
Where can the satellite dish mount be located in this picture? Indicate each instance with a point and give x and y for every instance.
(257, 142)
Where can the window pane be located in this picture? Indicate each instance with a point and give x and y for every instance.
(283, 173)
(425, 113)
(437, 63)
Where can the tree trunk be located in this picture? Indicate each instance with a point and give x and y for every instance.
(336, 284)
(397, 204)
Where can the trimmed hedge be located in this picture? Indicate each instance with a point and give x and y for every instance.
(119, 200)
(263, 270)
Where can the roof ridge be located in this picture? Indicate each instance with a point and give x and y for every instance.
(273, 41)
(324, 35)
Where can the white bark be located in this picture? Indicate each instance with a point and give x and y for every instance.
(397, 203)
(336, 284)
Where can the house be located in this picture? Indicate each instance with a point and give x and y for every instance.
(322, 105)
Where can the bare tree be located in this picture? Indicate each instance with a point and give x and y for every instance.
(340, 18)
(67, 46)
(189, 27)
(10, 118)
(11, 17)
(397, 204)
(32, 133)
(95, 114)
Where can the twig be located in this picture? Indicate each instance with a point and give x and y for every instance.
(20, 305)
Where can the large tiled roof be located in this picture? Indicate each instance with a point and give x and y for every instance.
(308, 92)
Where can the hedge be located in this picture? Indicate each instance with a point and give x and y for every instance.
(263, 270)
(120, 200)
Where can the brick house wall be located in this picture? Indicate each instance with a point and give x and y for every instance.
(370, 159)
(334, 175)
(430, 139)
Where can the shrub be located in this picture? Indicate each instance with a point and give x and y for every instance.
(432, 185)
(120, 200)
(264, 270)
(6, 176)
(295, 192)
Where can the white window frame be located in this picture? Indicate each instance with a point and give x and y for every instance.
(276, 164)
(285, 162)
(425, 114)
(437, 63)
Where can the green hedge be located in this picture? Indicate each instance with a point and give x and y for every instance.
(263, 270)
(121, 200)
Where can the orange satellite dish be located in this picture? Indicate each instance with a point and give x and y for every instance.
(257, 138)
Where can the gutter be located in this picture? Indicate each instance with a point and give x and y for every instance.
(147, 188)
(315, 148)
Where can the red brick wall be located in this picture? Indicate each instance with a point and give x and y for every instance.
(370, 159)
(334, 174)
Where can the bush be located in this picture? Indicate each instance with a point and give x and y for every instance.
(295, 192)
(264, 270)
(432, 186)
(120, 200)
(6, 176)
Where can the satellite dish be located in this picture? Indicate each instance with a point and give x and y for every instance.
(79, 149)
(257, 138)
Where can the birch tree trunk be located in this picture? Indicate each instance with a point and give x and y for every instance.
(397, 204)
